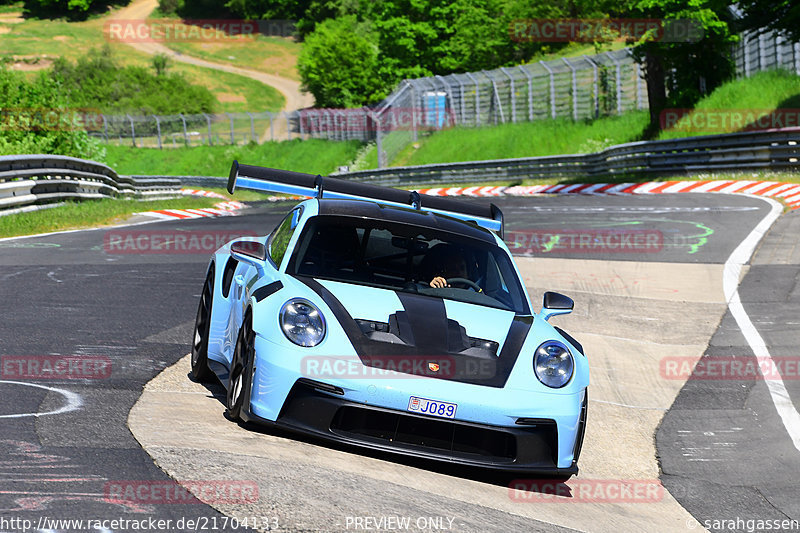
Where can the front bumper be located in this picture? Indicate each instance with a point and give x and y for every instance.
(315, 409)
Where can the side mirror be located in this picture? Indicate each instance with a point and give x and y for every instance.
(250, 250)
(556, 304)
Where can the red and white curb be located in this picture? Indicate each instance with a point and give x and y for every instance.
(200, 192)
(221, 209)
(789, 193)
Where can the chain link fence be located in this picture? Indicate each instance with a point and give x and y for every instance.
(578, 88)
(574, 88)
(165, 131)
(764, 51)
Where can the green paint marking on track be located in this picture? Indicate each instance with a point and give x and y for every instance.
(551, 244)
(702, 239)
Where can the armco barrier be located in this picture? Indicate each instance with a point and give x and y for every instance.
(32, 180)
(752, 151)
(28, 182)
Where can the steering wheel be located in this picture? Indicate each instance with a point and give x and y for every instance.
(464, 281)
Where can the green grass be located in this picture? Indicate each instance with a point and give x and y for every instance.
(761, 93)
(235, 94)
(272, 55)
(577, 50)
(48, 39)
(90, 213)
(313, 156)
(11, 8)
(756, 96)
(525, 139)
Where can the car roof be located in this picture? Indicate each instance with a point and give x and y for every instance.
(403, 215)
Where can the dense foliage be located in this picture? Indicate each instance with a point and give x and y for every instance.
(71, 9)
(53, 112)
(680, 71)
(98, 81)
(339, 63)
(394, 39)
(35, 117)
(779, 15)
(357, 51)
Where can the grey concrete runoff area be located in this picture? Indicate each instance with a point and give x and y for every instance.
(662, 452)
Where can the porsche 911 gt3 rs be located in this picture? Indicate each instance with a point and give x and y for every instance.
(347, 322)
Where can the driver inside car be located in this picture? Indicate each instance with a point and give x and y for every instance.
(454, 267)
(447, 262)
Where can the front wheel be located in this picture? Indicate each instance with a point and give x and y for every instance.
(200, 370)
(241, 374)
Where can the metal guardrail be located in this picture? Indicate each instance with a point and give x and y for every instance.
(768, 150)
(31, 181)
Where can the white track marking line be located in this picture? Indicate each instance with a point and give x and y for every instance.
(74, 401)
(730, 283)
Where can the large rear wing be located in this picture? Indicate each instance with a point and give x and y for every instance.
(288, 182)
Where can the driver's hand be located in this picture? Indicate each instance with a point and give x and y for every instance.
(439, 282)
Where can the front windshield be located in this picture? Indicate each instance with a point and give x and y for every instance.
(408, 258)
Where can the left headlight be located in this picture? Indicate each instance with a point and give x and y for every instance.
(302, 322)
(553, 364)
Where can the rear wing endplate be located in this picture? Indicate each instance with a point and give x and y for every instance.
(297, 183)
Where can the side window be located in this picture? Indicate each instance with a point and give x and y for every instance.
(279, 240)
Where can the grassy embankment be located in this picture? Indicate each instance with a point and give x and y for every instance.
(762, 94)
(32, 45)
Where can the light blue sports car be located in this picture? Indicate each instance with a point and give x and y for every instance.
(378, 318)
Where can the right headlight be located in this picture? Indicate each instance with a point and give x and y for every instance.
(302, 322)
(553, 364)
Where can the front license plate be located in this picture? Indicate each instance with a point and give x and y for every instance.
(432, 407)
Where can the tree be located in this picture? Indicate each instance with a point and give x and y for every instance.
(160, 63)
(72, 9)
(782, 16)
(37, 118)
(682, 67)
(339, 64)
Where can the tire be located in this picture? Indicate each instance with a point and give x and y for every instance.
(200, 370)
(581, 428)
(241, 374)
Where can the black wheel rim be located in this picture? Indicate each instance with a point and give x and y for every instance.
(202, 323)
(242, 355)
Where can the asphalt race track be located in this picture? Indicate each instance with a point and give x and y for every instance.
(646, 273)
